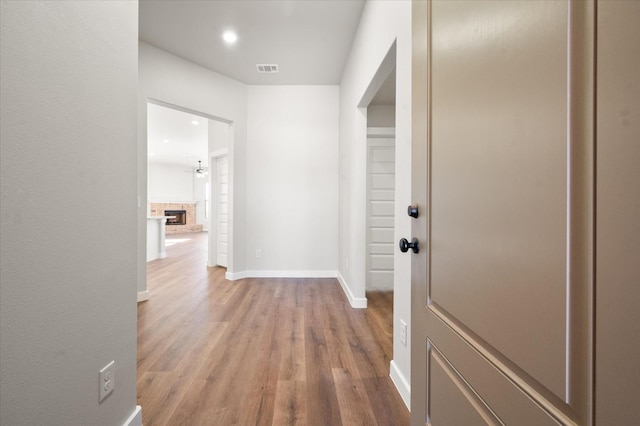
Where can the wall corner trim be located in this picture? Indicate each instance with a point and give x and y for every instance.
(401, 384)
(233, 276)
(135, 419)
(143, 295)
(356, 302)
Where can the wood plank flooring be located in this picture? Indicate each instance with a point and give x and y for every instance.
(259, 351)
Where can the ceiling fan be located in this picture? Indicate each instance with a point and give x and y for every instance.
(199, 172)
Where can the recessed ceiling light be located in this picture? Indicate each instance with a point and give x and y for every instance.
(151, 154)
(229, 37)
(165, 140)
(195, 122)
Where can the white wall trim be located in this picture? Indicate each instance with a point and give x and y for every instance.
(135, 419)
(381, 132)
(143, 295)
(292, 274)
(401, 384)
(170, 201)
(356, 302)
(233, 276)
(219, 152)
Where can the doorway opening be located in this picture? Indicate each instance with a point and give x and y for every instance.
(185, 150)
(378, 107)
(380, 217)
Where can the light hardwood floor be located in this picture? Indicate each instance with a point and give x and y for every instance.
(259, 351)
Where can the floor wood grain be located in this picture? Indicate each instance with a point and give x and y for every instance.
(259, 351)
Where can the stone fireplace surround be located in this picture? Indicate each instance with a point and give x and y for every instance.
(158, 209)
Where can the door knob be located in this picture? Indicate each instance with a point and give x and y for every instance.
(406, 245)
(412, 210)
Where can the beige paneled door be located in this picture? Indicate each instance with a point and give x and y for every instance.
(502, 301)
(517, 216)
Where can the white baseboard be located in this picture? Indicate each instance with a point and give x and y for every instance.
(143, 295)
(280, 274)
(401, 383)
(135, 419)
(356, 302)
(291, 274)
(232, 276)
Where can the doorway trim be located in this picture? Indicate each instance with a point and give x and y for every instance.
(386, 67)
(143, 294)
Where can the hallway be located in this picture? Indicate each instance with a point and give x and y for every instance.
(259, 351)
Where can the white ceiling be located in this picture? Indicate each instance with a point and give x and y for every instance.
(308, 39)
(172, 138)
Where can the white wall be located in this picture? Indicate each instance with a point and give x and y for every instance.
(382, 22)
(170, 182)
(170, 79)
(292, 180)
(68, 283)
(218, 136)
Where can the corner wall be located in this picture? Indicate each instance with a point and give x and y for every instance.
(68, 283)
(382, 23)
(173, 80)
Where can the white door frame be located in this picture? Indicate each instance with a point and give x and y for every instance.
(214, 188)
(228, 151)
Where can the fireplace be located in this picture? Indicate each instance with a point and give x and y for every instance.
(177, 217)
(181, 216)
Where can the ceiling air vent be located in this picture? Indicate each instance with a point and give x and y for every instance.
(267, 68)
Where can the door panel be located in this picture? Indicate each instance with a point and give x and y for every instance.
(222, 231)
(380, 217)
(499, 178)
(487, 376)
(503, 174)
(452, 401)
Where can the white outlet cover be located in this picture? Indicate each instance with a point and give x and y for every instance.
(107, 380)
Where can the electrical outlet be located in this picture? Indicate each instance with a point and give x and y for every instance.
(258, 253)
(403, 333)
(107, 380)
